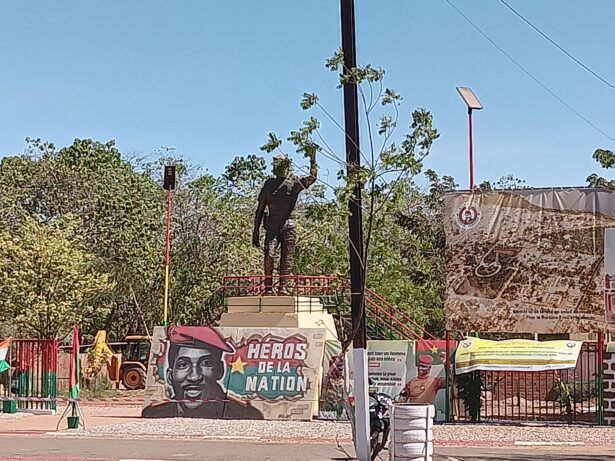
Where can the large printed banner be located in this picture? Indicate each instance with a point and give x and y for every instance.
(388, 363)
(392, 366)
(527, 260)
(234, 373)
(515, 355)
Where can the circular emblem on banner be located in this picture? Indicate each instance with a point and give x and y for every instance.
(466, 344)
(570, 345)
(467, 216)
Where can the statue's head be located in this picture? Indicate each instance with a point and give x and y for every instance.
(281, 166)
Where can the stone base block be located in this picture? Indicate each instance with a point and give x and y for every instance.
(280, 320)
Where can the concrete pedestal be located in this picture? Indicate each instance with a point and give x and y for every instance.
(278, 312)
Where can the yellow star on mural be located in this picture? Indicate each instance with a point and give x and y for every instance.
(237, 365)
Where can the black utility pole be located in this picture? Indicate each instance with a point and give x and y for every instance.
(353, 162)
(355, 231)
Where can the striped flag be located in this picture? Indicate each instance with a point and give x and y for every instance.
(4, 349)
(436, 349)
(75, 366)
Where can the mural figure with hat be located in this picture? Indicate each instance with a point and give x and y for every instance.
(276, 202)
(423, 388)
(194, 367)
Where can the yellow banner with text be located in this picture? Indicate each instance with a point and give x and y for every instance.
(515, 355)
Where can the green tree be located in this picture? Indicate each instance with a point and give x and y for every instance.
(606, 159)
(48, 280)
(390, 163)
(210, 223)
(245, 173)
(506, 182)
(119, 210)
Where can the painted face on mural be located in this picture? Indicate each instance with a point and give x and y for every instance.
(423, 370)
(194, 367)
(193, 373)
(424, 366)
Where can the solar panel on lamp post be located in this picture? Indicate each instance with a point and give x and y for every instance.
(473, 103)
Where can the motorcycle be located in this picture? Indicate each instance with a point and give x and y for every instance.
(379, 420)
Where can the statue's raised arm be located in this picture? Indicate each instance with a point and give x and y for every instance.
(307, 181)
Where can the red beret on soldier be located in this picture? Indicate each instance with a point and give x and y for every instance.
(188, 336)
(425, 359)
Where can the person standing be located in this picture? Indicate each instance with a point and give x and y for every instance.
(423, 388)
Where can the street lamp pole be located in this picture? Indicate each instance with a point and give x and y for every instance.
(471, 150)
(473, 103)
(169, 186)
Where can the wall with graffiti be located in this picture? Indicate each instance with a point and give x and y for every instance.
(234, 373)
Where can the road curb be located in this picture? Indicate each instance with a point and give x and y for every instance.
(516, 443)
(522, 443)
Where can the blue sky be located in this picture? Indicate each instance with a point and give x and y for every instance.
(212, 78)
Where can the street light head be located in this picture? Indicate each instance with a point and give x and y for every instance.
(169, 177)
(469, 98)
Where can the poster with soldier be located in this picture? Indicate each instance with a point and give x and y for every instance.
(335, 384)
(528, 260)
(406, 370)
(233, 373)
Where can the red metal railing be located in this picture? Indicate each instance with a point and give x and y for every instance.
(398, 321)
(379, 303)
(33, 373)
(297, 285)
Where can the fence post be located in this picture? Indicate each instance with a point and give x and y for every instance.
(447, 377)
(600, 378)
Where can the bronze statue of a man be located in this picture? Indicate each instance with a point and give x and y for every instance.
(279, 196)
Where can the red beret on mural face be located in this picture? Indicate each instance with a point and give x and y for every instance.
(425, 360)
(191, 336)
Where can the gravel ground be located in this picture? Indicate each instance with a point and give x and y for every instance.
(507, 435)
(214, 428)
(101, 410)
(14, 415)
(479, 434)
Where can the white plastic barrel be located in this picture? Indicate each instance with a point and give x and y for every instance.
(411, 432)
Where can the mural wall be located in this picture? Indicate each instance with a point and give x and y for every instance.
(527, 260)
(234, 373)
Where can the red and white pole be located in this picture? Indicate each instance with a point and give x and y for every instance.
(169, 186)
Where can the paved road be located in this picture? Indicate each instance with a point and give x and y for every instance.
(54, 448)
(18, 448)
(526, 454)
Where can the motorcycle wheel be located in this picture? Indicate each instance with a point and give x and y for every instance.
(376, 442)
